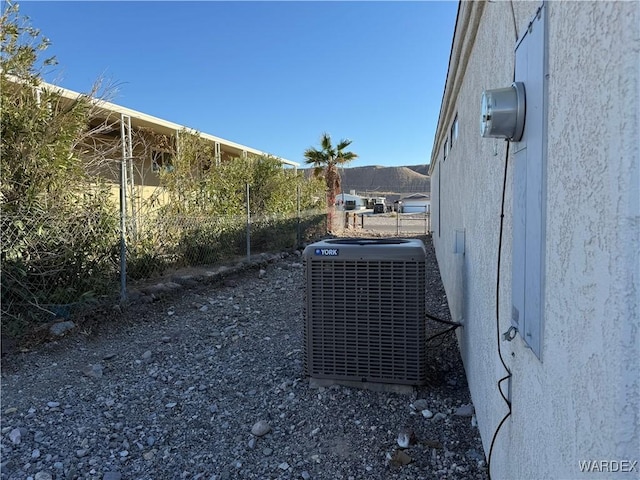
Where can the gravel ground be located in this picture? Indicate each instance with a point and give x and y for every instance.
(208, 383)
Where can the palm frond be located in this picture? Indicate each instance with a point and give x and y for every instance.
(316, 157)
(346, 157)
(325, 142)
(344, 143)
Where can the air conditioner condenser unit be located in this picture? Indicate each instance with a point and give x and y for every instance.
(365, 310)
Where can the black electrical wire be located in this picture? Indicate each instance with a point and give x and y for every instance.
(508, 376)
(504, 192)
(447, 322)
(454, 325)
(436, 335)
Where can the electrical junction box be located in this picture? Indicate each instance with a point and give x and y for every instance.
(365, 310)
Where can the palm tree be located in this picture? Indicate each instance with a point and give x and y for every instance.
(326, 162)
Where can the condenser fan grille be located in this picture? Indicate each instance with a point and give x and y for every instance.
(365, 319)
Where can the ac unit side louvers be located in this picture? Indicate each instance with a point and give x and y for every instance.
(365, 310)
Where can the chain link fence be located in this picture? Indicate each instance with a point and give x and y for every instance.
(184, 241)
(54, 264)
(387, 224)
(56, 267)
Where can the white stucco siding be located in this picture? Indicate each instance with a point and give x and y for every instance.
(581, 401)
(592, 222)
(470, 200)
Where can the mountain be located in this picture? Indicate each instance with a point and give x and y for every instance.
(422, 169)
(390, 182)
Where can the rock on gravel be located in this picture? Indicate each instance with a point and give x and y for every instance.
(464, 411)
(60, 328)
(220, 393)
(260, 428)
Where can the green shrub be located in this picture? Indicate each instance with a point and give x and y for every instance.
(58, 227)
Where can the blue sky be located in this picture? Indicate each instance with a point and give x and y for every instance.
(270, 75)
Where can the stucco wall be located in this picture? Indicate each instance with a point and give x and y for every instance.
(581, 401)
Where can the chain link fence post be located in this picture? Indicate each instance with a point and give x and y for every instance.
(248, 226)
(123, 219)
(298, 235)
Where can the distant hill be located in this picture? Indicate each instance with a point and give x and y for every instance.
(422, 169)
(392, 182)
